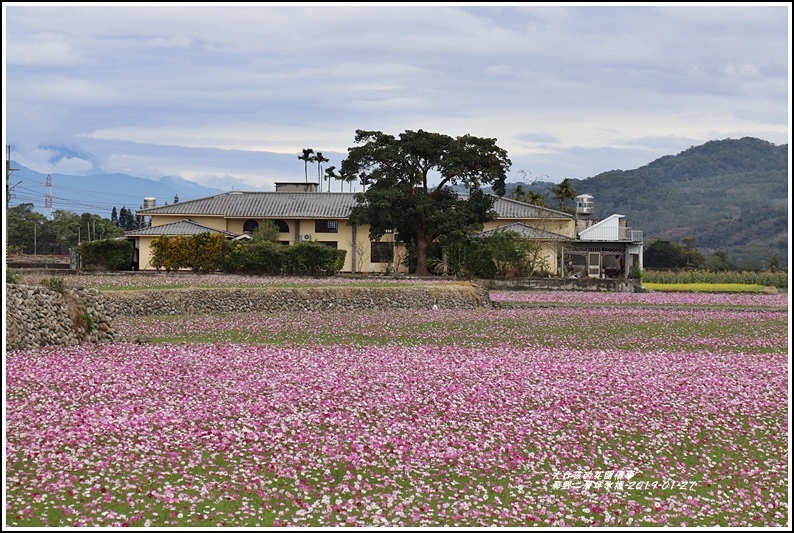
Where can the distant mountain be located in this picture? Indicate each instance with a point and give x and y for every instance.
(731, 195)
(100, 193)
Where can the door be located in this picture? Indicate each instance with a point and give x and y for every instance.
(594, 264)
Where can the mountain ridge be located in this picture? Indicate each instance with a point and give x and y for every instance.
(731, 195)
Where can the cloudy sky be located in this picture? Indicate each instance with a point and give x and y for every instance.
(230, 94)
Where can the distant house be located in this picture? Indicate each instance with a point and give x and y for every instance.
(603, 248)
(143, 237)
(302, 214)
(571, 245)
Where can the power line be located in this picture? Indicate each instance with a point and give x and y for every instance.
(84, 191)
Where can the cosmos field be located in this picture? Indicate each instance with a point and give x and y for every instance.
(609, 410)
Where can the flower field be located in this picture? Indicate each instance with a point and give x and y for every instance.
(648, 298)
(566, 416)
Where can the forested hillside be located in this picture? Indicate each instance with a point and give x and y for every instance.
(731, 195)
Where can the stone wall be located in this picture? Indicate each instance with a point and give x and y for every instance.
(39, 316)
(570, 284)
(198, 301)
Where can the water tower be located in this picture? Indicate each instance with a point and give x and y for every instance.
(148, 202)
(584, 205)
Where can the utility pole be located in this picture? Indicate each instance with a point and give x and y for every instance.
(9, 170)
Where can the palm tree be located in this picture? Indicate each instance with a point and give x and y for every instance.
(528, 196)
(320, 160)
(330, 174)
(535, 198)
(563, 192)
(306, 158)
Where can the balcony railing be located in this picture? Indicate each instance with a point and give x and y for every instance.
(612, 234)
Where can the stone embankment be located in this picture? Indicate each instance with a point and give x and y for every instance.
(200, 301)
(564, 284)
(39, 316)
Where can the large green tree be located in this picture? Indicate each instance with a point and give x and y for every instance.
(662, 253)
(26, 228)
(397, 174)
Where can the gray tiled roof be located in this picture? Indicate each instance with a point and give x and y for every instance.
(263, 205)
(183, 227)
(329, 205)
(507, 208)
(527, 232)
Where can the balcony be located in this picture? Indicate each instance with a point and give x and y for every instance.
(611, 234)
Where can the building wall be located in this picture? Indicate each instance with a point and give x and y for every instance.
(143, 248)
(606, 230)
(297, 228)
(561, 226)
(355, 242)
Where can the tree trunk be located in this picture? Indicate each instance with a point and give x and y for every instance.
(422, 245)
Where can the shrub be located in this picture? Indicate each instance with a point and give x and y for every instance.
(107, 254)
(56, 285)
(505, 254)
(314, 259)
(201, 253)
(635, 272)
(255, 257)
(12, 276)
(207, 252)
(267, 257)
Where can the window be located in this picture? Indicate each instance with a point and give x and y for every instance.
(326, 226)
(381, 252)
(250, 226)
(330, 244)
(282, 226)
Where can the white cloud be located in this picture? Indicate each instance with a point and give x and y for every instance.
(197, 90)
(48, 161)
(42, 50)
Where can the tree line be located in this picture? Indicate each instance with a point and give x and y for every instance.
(664, 254)
(30, 232)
